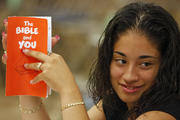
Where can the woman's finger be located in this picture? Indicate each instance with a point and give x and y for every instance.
(5, 24)
(36, 54)
(37, 79)
(34, 66)
(4, 58)
(55, 39)
(4, 40)
(54, 55)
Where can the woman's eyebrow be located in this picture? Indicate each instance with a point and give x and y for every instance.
(120, 53)
(147, 56)
(140, 57)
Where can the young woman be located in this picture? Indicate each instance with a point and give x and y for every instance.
(136, 75)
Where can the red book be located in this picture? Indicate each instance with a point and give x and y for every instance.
(30, 33)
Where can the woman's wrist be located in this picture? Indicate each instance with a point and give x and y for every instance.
(69, 89)
(32, 107)
(29, 101)
(68, 86)
(70, 94)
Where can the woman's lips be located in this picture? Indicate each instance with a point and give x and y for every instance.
(130, 89)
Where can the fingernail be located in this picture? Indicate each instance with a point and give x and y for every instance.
(25, 50)
(57, 37)
(5, 20)
(4, 55)
(25, 65)
(3, 33)
(31, 82)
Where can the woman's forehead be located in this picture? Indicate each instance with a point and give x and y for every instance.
(135, 43)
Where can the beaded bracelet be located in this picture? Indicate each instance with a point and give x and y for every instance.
(30, 111)
(66, 106)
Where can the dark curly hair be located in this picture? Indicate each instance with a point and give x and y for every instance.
(162, 30)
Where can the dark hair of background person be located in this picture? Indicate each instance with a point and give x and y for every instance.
(162, 30)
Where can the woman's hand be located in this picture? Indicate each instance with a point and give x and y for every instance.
(24, 100)
(55, 71)
(55, 39)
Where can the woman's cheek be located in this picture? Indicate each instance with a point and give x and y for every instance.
(148, 76)
(115, 71)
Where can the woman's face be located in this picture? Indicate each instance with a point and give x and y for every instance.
(134, 66)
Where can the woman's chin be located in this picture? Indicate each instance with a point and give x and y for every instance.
(129, 99)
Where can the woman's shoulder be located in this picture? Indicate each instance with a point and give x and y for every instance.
(168, 109)
(97, 112)
(156, 115)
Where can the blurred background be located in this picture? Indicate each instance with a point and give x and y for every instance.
(80, 24)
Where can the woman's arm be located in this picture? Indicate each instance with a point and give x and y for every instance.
(57, 75)
(155, 115)
(29, 103)
(96, 112)
(72, 95)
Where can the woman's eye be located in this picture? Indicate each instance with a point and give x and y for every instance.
(121, 61)
(146, 64)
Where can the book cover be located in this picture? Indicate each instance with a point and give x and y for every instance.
(30, 33)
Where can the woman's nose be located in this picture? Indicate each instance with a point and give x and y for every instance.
(130, 75)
